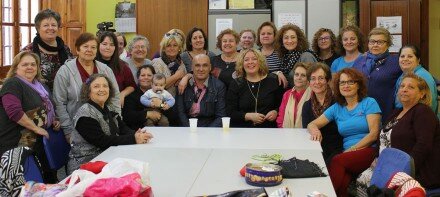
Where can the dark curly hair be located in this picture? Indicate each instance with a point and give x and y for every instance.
(318, 34)
(189, 46)
(359, 35)
(355, 75)
(224, 32)
(85, 88)
(303, 43)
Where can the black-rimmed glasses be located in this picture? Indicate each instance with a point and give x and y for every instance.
(349, 82)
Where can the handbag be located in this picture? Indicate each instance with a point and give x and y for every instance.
(297, 168)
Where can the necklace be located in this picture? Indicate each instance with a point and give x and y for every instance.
(252, 84)
(391, 124)
(230, 58)
(253, 95)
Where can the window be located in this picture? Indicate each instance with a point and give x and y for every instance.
(17, 27)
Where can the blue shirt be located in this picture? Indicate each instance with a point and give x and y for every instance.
(424, 74)
(352, 124)
(340, 64)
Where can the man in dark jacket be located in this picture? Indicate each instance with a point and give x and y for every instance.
(204, 97)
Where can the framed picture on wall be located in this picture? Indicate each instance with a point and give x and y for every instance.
(350, 13)
(241, 4)
(125, 10)
(125, 17)
(263, 4)
(217, 4)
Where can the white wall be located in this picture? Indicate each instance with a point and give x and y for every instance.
(315, 13)
(323, 13)
(289, 6)
(242, 19)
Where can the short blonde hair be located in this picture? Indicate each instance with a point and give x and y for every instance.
(166, 40)
(384, 32)
(17, 59)
(262, 66)
(181, 34)
(423, 87)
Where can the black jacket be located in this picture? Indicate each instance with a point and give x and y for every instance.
(134, 113)
(212, 105)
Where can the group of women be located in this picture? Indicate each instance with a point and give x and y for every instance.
(345, 97)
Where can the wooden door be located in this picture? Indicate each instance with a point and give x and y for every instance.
(414, 15)
(156, 17)
(73, 19)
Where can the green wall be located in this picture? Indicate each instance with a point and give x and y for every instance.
(434, 38)
(98, 11)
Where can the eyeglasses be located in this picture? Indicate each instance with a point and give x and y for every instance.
(318, 79)
(139, 47)
(323, 39)
(378, 42)
(349, 82)
(169, 35)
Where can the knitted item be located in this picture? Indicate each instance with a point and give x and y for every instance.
(405, 185)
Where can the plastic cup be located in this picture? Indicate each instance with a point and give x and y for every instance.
(225, 123)
(193, 124)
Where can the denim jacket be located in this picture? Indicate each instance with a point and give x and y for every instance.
(212, 105)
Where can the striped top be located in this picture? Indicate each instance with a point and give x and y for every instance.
(273, 62)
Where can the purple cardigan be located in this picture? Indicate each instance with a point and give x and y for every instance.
(381, 81)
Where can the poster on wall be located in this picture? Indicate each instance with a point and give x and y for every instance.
(241, 4)
(222, 24)
(294, 18)
(392, 23)
(217, 4)
(397, 43)
(125, 17)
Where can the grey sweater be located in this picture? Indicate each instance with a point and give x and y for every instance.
(67, 92)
